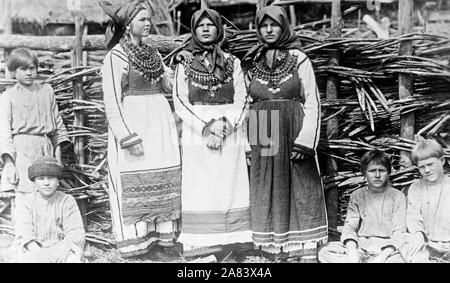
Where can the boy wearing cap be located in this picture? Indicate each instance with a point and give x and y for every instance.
(375, 223)
(49, 227)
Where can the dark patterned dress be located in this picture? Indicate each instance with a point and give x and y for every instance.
(287, 199)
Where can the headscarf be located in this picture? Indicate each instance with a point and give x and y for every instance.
(121, 15)
(288, 39)
(213, 49)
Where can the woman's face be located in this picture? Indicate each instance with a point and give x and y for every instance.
(140, 25)
(206, 31)
(270, 30)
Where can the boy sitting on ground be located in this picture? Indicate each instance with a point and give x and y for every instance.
(428, 212)
(49, 227)
(375, 219)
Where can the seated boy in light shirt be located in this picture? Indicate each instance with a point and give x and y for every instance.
(428, 212)
(49, 227)
(375, 222)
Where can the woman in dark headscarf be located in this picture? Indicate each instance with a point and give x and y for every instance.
(210, 97)
(143, 152)
(286, 195)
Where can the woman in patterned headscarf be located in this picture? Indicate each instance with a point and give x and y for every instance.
(286, 195)
(209, 95)
(143, 153)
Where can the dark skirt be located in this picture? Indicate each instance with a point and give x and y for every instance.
(287, 198)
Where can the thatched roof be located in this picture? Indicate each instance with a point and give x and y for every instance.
(56, 11)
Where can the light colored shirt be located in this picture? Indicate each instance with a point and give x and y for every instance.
(55, 221)
(429, 209)
(29, 113)
(375, 219)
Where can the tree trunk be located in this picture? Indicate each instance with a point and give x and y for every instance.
(164, 44)
(406, 82)
(331, 195)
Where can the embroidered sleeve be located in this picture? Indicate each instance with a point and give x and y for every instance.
(114, 67)
(308, 138)
(60, 134)
(168, 77)
(6, 142)
(240, 105)
(183, 108)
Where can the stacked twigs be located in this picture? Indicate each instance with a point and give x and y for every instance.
(368, 106)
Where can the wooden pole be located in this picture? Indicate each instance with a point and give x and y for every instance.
(93, 42)
(85, 53)
(7, 29)
(78, 86)
(261, 4)
(331, 195)
(406, 82)
(78, 93)
(293, 15)
(203, 4)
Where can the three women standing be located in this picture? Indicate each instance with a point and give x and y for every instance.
(143, 153)
(288, 207)
(210, 97)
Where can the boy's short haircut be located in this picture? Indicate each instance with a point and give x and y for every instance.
(21, 58)
(376, 156)
(425, 149)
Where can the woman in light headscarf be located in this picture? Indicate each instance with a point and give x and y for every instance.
(143, 153)
(210, 97)
(286, 195)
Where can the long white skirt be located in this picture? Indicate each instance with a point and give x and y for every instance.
(144, 191)
(215, 189)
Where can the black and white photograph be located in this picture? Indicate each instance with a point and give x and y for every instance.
(214, 132)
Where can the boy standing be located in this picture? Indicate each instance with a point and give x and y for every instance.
(30, 124)
(49, 227)
(375, 218)
(428, 213)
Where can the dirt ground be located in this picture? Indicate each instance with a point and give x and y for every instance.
(102, 253)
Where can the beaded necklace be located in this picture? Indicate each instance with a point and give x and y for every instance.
(145, 59)
(281, 73)
(207, 80)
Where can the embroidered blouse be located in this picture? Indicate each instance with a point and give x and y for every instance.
(293, 79)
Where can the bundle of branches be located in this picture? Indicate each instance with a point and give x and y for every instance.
(368, 106)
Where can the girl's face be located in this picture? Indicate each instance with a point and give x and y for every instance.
(206, 31)
(26, 75)
(270, 30)
(140, 25)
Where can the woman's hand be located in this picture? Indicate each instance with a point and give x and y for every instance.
(136, 150)
(221, 128)
(214, 142)
(184, 55)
